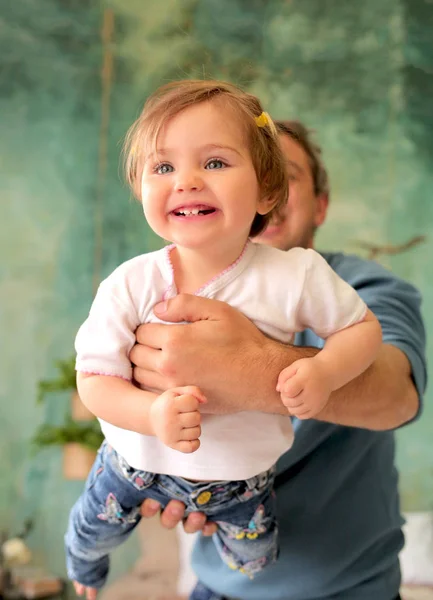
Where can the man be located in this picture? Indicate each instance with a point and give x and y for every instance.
(338, 505)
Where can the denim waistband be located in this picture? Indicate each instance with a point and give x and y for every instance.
(260, 480)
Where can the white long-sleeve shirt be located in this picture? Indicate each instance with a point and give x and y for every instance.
(281, 292)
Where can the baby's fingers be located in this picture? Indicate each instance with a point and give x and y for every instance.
(292, 387)
(301, 413)
(284, 376)
(187, 447)
(190, 434)
(191, 390)
(186, 403)
(190, 419)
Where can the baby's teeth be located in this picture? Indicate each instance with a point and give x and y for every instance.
(193, 211)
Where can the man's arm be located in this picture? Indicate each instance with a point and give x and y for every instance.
(237, 367)
(383, 397)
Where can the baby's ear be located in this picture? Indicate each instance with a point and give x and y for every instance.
(266, 204)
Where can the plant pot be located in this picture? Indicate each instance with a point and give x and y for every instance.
(77, 461)
(78, 411)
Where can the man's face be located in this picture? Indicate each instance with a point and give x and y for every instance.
(304, 210)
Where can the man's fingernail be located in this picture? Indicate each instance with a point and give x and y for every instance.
(177, 511)
(196, 519)
(153, 504)
(161, 307)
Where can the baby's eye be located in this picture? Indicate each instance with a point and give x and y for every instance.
(215, 163)
(163, 168)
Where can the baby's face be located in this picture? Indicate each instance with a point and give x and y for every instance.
(200, 187)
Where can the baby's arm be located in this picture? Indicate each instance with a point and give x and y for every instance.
(116, 401)
(349, 352)
(104, 378)
(306, 385)
(335, 312)
(173, 417)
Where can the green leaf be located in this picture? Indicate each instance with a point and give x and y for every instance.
(87, 434)
(66, 380)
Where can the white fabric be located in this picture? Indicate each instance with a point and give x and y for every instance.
(281, 292)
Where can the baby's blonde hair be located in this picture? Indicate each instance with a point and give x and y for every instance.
(262, 136)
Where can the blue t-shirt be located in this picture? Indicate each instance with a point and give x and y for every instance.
(338, 504)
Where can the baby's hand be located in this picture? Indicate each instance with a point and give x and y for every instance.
(176, 418)
(305, 387)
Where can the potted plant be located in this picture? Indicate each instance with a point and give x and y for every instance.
(80, 435)
(66, 380)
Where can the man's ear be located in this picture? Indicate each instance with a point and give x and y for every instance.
(322, 203)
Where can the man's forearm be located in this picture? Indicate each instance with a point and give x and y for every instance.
(237, 367)
(383, 397)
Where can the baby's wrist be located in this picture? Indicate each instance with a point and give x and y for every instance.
(153, 418)
(327, 371)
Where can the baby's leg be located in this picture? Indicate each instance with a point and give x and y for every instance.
(100, 520)
(247, 535)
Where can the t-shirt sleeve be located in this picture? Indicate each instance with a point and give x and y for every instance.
(106, 337)
(327, 303)
(397, 305)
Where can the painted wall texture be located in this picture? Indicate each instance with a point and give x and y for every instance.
(72, 79)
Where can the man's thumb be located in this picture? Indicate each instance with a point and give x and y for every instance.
(187, 308)
(160, 308)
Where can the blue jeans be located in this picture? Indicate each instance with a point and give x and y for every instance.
(201, 592)
(109, 509)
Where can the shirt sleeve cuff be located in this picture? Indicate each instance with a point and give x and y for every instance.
(419, 372)
(104, 368)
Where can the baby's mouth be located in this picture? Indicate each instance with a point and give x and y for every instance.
(193, 212)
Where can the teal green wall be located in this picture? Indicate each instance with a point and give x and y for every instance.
(360, 75)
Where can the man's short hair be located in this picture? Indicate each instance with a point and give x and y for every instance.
(304, 137)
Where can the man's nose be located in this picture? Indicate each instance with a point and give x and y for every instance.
(188, 182)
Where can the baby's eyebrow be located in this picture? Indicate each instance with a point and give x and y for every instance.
(221, 147)
(162, 152)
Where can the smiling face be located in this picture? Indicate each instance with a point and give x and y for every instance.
(200, 190)
(304, 211)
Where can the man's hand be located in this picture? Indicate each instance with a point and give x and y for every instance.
(175, 418)
(305, 387)
(219, 350)
(237, 367)
(174, 513)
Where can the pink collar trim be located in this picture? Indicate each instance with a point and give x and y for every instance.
(211, 282)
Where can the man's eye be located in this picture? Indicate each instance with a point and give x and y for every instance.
(215, 164)
(163, 169)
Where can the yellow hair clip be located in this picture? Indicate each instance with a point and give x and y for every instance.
(262, 120)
